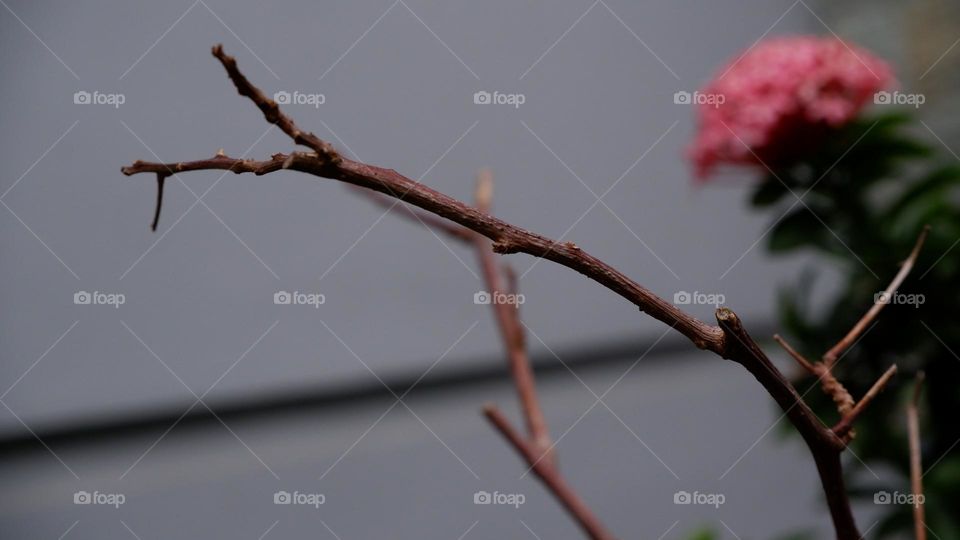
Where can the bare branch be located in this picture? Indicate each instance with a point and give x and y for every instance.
(804, 363)
(916, 469)
(506, 316)
(271, 111)
(848, 340)
(507, 238)
(219, 161)
(728, 340)
(824, 445)
(550, 476)
(511, 330)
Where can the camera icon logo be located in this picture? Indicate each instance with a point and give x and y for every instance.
(82, 298)
(282, 97)
(481, 98)
(882, 497)
(682, 97)
(81, 98)
(883, 98)
(681, 297)
(682, 497)
(481, 298)
(282, 298)
(881, 298)
(282, 497)
(82, 497)
(482, 497)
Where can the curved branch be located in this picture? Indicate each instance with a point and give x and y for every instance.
(506, 238)
(728, 340)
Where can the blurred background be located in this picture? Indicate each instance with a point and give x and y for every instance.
(198, 398)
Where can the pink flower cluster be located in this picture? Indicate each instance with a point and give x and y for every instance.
(780, 97)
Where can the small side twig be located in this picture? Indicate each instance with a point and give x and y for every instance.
(271, 111)
(802, 360)
(161, 180)
(916, 469)
(831, 356)
(844, 425)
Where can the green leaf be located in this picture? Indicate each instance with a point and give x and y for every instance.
(799, 229)
(703, 534)
(939, 181)
(768, 192)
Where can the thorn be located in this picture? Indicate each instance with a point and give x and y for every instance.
(161, 178)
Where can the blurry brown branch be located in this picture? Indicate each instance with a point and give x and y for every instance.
(548, 473)
(511, 329)
(728, 339)
(536, 448)
(916, 471)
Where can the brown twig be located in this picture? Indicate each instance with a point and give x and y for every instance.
(844, 425)
(802, 360)
(271, 111)
(728, 339)
(506, 315)
(549, 475)
(916, 470)
(831, 356)
(511, 330)
(508, 322)
(325, 162)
